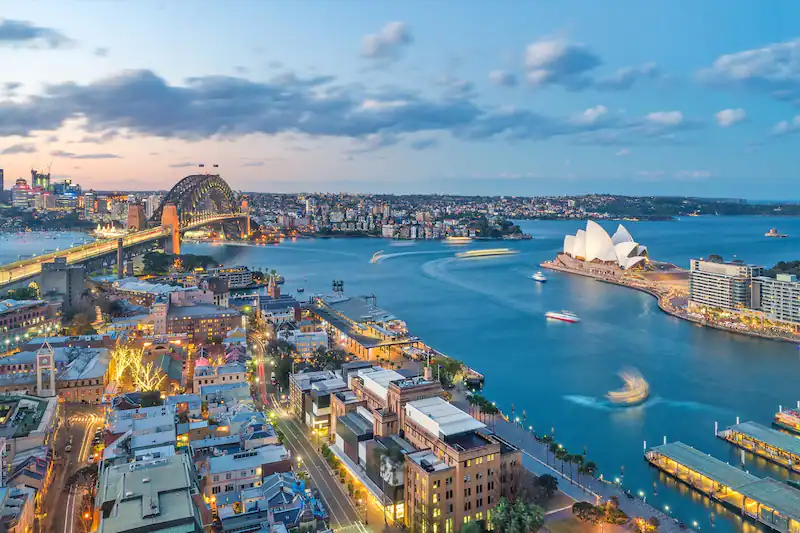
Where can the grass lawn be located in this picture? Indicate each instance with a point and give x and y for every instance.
(573, 525)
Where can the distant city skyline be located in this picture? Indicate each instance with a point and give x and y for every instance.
(510, 98)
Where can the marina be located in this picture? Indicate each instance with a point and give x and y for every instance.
(764, 500)
(765, 442)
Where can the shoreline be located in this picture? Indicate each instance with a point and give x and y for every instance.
(668, 311)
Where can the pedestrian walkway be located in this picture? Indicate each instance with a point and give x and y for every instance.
(537, 458)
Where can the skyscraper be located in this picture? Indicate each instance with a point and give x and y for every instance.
(40, 180)
(2, 188)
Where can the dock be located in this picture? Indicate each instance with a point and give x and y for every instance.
(764, 500)
(765, 442)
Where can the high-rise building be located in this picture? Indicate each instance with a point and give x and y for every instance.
(40, 180)
(151, 203)
(2, 188)
(20, 194)
(778, 298)
(58, 278)
(721, 285)
(89, 203)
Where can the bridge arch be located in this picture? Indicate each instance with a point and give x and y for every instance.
(191, 192)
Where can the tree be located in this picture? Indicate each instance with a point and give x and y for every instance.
(23, 293)
(517, 517)
(81, 325)
(554, 447)
(586, 512)
(123, 359)
(472, 527)
(549, 484)
(653, 521)
(146, 377)
(157, 263)
(578, 460)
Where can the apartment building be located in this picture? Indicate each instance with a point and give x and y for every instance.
(236, 277)
(217, 375)
(458, 473)
(721, 285)
(778, 298)
(243, 470)
(22, 319)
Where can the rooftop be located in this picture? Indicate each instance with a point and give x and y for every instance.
(145, 287)
(201, 310)
(769, 436)
(359, 309)
(149, 495)
(378, 381)
(441, 418)
(14, 305)
(91, 363)
(704, 464)
(428, 461)
(272, 453)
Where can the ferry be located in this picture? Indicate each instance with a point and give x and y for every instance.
(488, 252)
(108, 232)
(457, 240)
(300, 289)
(788, 420)
(564, 316)
(774, 233)
(635, 391)
(541, 278)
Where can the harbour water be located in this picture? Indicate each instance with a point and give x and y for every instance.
(489, 313)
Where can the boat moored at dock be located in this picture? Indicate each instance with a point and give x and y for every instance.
(780, 448)
(788, 420)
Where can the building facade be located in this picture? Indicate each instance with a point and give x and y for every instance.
(65, 280)
(778, 298)
(721, 285)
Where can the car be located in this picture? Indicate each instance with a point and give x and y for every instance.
(68, 448)
(90, 459)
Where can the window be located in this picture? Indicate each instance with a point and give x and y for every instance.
(466, 519)
(215, 490)
(435, 498)
(479, 504)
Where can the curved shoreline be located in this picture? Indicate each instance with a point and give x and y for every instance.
(667, 311)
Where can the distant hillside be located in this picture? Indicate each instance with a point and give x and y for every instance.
(784, 267)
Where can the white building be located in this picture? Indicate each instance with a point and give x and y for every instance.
(595, 245)
(305, 342)
(721, 285)
(217, 375)
(243, 470)
(778, 298)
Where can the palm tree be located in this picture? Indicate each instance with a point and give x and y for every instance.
(472, 401)
(578, 460)
(553, 448)
(560, 454)
(493, 411)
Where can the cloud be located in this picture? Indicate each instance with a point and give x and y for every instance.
(374, 142)
(502, 78)
(623, 152)
(693, 174)
(241, 69)
(22, 148)
(593, 114)
(424, 144)
(665, 118)
(103, 138)
(9, 89)
(23, 34)
(386, 46)
(101, 51)
(253, 164)
(787, 127)
(651, 173)
(773, 69)
(626, 77)
(729, 117)
(71, 155)
(182, 165)
(555, 61)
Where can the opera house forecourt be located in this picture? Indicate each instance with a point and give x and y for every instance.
(593, 252)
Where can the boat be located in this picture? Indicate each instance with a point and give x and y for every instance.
(564, 316)
(541, 278)
(774, 233)
(108, 232)
(635, 391)
(788, 420)
(300, 289)
(487, 252)
(457, 240)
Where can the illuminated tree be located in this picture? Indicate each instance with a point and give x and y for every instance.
(146, 377)
(124, 358)
(216, 361)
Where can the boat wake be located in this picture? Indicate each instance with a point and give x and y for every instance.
(383, 257)
(603, 404)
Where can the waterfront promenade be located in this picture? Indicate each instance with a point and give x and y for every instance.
(537, 458)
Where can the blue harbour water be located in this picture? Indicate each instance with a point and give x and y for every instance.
(489, 313)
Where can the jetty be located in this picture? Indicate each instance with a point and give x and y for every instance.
(764, 500)
(765, 442)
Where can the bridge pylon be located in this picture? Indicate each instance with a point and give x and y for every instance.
(169, 219)
(246, 211)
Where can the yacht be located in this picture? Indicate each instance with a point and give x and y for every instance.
(564, 316)
(774, 233)
(788, 420)
(487, 252)
(635, 391)
(541, 278)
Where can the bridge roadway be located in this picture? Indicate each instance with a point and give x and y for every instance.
(27, 268)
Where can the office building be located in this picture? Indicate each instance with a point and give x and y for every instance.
(237, 276)
(64, 281)
(721, 285)
(149, 495)
(244, 470)
(39, 180)
(20, 194)
(778, 298)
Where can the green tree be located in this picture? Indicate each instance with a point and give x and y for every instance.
(548, 483)
(81, 325)
(586, 512)
(517, 517)
(23, 293)
(472, 527)
(157, 263)
(577, 459)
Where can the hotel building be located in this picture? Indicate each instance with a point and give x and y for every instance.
(778, 298)
(721, 285)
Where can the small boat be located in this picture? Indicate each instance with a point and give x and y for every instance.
(541, 278)
(564, 316)
(488, 252)
(300, 289)
(635, 391)
(774, 233)
(457, 240)
(788, 420)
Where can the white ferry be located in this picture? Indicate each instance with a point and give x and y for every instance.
(788, 420)
(457, 240)
(541, 278)
(564, 316)
(108, 232)
(635, 391)
(488, 252)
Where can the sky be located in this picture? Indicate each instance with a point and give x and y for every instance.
(513, 97)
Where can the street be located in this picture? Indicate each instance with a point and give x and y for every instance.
(61, 503)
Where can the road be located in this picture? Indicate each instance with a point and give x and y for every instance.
(60, 502)
(343, 513)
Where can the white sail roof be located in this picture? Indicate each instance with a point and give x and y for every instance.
(621, 235)
(579, 246)
(569, 243)
(594, 243)
(598, 243)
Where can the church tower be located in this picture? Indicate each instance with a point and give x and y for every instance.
(45, 371)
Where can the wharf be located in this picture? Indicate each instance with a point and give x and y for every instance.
(765, 442)
(767, 501)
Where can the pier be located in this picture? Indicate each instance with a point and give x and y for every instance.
(766, 501)
(765, 442)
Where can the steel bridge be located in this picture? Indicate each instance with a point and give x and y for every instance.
(195, 201)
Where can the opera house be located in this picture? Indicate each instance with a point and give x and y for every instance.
(594, 250)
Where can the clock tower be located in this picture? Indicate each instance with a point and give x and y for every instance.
(45, 371)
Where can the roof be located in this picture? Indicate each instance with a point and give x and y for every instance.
(769, 436)
(378, 381)
(774, 494)
(14, 305)
(704, 464)
(60, 355)
(428, 461)
(200, 310)
(91, 363)
(356, 423)
(359, 309)
(440, 417)
(152, 495)
(272, 453)
(135, 285)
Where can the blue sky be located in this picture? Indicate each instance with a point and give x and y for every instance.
(504, 97)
